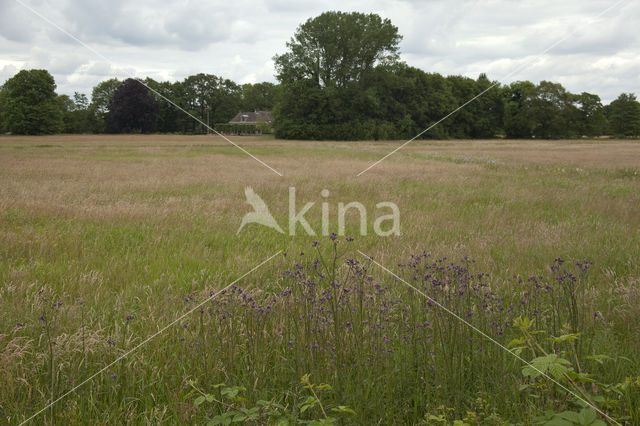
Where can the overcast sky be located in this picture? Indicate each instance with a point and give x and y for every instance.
(236, 39)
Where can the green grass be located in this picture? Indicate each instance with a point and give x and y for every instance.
(133, 225)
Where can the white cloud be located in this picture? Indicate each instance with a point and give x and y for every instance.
(175, 38)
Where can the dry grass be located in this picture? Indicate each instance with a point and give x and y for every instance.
(130, 224)
(477, 194)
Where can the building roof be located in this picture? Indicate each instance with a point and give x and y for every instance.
(252, 117)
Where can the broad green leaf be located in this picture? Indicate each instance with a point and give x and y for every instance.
(343, 409)
(551, 363)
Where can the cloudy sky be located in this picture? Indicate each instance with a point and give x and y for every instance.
(236, 39)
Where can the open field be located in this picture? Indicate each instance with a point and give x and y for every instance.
(129, 231)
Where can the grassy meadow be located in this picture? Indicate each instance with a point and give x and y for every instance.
(104, 240)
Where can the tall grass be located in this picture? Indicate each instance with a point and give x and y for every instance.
(389, 353)
(130, 233)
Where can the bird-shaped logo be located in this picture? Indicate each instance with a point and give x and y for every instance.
(260, 214)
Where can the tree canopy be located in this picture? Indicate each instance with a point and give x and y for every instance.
(133, 108)
(30, 105)
(340, 78)
(337, 48)
(624, 115)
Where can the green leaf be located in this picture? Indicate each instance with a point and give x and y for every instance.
(199, 400)
(551, 364)
(343, 409)
(571, 416)
(309, 403)
(239, 417)
(516, 342)
(232, 391)
(222, 419)
(587, 416)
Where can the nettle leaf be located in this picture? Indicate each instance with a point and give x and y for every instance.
(199, 400)
(551, 364)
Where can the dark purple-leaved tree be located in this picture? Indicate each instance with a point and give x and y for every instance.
(133, 108)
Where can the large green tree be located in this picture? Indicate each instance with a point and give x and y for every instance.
(552, 111)
(591, 118)
(30, 104)
(518, 100)
(101, 97)
(337, 48)
(326, 77)
(206, 93)
(75, 113)
(258, 96)
(170, 118)
(624, 115)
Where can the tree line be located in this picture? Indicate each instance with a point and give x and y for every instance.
(30, 105)
(340, 78)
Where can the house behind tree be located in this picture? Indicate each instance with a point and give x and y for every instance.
(254, 117)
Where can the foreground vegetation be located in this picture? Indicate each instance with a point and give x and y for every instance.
(105, 240)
